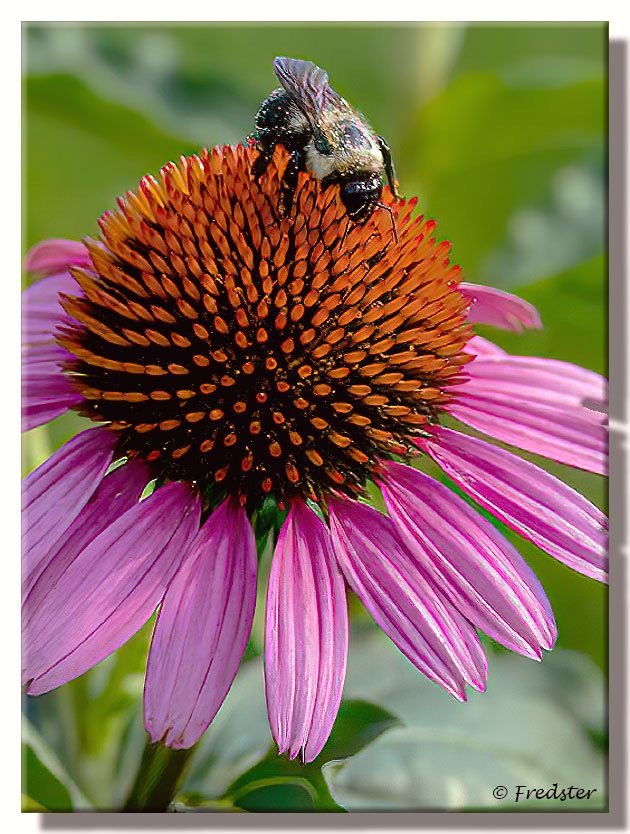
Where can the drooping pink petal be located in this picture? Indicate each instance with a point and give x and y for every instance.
(55, 255)
(306, 635)
(117, 493)
(401, 598)
(56, 492)
(499, 308)
(540, 507)
(202, 629)
(472, 564)
(109, 590)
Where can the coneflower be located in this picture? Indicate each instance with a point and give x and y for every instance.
(234, 352)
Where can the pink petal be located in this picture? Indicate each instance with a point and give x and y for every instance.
(55, 255)
(56, 492)
(537, 379)
(538, 405)
(568, 434)
(117, 493)
(306, 635)
(402, 600)
(43, 412)
(109, 590)
(202, 629)
(46, 390)
(44, 380)
(472, 564)
(42, 356)
(499, 308)
(540, 507)
(483, 347)
(41, 310)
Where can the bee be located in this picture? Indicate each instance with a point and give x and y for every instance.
(324, 136)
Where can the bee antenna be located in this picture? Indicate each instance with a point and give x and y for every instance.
(391, 214)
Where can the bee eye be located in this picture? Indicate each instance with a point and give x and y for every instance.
(360, 196)
(357, 188)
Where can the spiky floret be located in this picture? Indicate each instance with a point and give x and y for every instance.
(229, 342)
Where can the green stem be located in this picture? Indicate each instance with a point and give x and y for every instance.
(158, 778)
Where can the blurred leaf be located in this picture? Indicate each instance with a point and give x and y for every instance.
(238, 744)
(451, 755)
(94, 723)
(510, 49)
(484, 149)
(45, 781)
(534, 726)
(564, 229)
(84, 134)
(29, 804)
(278, 783)
(40, 782)
(195, 804)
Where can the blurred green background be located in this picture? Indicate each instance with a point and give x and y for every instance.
(500, 130)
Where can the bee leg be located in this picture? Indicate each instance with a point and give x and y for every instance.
(260, 164)
(289, 180)
(388, 164)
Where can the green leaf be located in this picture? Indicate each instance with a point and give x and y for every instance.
(280, 784)
(276, 783)
(44, 779)
(358, 724)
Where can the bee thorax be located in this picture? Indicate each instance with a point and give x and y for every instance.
(319, 164)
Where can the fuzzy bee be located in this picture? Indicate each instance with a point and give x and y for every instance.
(325, 136)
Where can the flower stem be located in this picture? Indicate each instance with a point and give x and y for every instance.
(158, 778)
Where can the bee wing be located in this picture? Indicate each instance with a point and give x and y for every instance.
(307, 83)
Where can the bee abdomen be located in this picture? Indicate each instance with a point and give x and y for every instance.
(280, 121)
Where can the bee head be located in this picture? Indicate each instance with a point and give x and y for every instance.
(360, 195)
